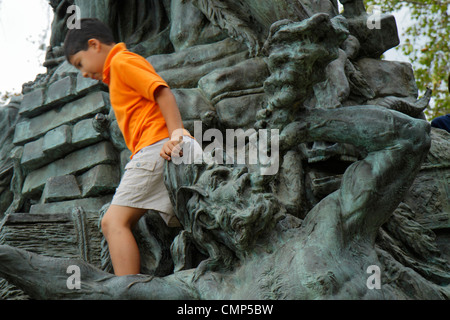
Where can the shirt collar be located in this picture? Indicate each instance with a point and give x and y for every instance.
(106, 68)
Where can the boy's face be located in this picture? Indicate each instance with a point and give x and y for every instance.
(91, 62)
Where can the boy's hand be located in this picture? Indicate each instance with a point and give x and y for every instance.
(172, 147)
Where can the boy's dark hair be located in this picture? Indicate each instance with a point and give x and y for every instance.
(90, 28)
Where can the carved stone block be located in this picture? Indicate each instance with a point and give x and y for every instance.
(102, 179)
(75, 162)
(57, 141)
(61, 189)
(61, 91)
(83, 108)
(84, 134)
(32, 102)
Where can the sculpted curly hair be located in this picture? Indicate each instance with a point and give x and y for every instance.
(224, 217)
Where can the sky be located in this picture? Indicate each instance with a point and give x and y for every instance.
(23, 23)
(403, 18)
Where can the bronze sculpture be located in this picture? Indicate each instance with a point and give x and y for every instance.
(248, 236)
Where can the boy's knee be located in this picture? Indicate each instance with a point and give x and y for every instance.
(118, 219)
(108, 223)
(105, 224)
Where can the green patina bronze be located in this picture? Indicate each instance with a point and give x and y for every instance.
(362, 185)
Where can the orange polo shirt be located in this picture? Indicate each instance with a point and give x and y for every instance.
(132, 82)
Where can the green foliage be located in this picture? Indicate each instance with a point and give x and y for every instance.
(426, 45)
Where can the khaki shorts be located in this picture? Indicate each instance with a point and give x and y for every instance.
(142, 185)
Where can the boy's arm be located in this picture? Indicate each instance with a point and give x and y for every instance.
(169, 109)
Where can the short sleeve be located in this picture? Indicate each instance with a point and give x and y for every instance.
(140, 75)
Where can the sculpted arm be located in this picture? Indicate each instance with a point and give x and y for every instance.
(46, 278)
(222, 15)
(373, 187)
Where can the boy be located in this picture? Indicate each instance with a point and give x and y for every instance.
(148, 116)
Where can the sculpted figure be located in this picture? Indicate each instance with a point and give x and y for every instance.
(147, 26)
(142, 24)
(238, 239)
(250, 21)
(253, 250)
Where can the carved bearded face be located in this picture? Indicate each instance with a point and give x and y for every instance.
(232, 209)
(223, 211)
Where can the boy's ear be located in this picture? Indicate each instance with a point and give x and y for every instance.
(94, 44)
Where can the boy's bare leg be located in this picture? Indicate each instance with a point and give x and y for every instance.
(117, 224)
